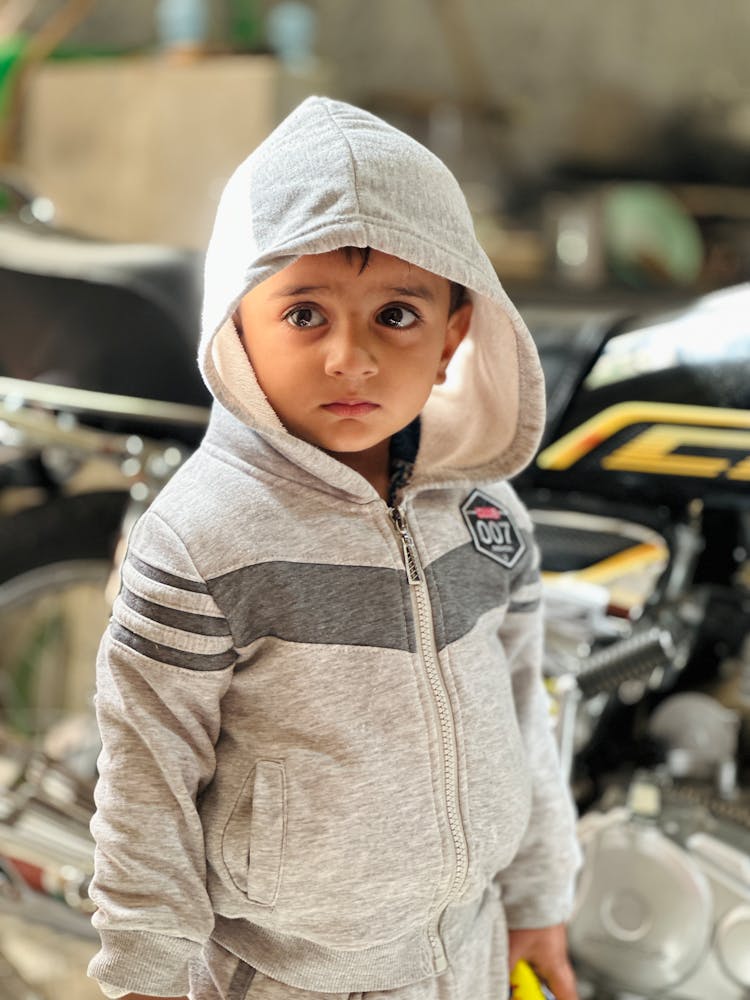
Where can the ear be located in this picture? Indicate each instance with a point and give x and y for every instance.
(457, 327)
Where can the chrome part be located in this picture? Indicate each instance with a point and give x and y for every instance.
(17, 393)
(700, 736)
(64, 445)
(46, 795)
(663, 900)
(46, 849)
(566, 698)
(688, 545)
(631, 659)
(733, 944)
(44, 419)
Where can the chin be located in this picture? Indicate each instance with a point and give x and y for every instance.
(347, 445)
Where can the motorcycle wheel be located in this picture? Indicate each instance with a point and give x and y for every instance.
(55, 561)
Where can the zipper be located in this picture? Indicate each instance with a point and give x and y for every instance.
(411, 559)
(429, 655)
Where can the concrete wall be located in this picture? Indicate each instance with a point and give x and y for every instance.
(543, 81)
(590, 77)
(573, 76)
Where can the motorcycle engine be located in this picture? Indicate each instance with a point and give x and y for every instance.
(663, 899)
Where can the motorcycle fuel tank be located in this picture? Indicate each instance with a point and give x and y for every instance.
(663, 414)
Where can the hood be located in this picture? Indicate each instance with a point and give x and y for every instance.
(332, 175)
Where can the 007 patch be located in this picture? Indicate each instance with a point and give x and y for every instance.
(492, 531)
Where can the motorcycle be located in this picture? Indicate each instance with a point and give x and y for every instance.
(641, 504)
(640, 501)
(88, 435)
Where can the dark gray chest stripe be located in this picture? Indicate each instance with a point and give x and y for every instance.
(317, 603)
(464, 585)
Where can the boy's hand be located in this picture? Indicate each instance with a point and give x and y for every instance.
(546, 951)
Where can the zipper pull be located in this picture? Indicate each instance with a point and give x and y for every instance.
(411, 559)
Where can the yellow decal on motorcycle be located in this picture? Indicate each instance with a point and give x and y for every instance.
(636, 559)
(629, 576)
(698, 441)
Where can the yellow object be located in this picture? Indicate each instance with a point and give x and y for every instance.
(523, 983)
(674, 425)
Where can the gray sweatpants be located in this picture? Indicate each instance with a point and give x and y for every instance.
(479, 972)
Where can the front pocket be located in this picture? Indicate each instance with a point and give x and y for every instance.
(253, 841)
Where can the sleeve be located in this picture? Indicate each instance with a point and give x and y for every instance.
(164, 664)
(537, 887)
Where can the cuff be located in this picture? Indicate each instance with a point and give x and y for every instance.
(113, 992)
(532, 905)
(154, 964)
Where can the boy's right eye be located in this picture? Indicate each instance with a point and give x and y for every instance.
(305, 316)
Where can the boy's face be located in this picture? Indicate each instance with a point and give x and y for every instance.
(347, 357)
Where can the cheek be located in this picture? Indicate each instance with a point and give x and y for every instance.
(415, 381)
(273, 364)
(422, 363)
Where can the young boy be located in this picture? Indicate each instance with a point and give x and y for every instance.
(327, 766)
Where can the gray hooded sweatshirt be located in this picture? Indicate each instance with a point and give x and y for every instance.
(325, 734)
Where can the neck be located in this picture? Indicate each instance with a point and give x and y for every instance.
(372, 464)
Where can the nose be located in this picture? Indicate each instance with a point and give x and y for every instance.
(349, 352)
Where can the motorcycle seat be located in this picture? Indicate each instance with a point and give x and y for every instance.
(169, 277)
(113, 318)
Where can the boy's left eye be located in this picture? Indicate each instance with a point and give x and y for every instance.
(398, 317)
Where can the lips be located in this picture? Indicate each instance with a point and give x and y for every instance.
(357, 408)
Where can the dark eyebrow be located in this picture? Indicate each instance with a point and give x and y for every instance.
(414, 291)
(292, 291)
(411, 291)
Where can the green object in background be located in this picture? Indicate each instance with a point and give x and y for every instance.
(24, 677)
(246, 24)
(650, 238)
(12, 51)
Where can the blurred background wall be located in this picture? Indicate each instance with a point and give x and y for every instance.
(533, 104)
(557, 69)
